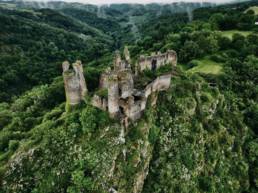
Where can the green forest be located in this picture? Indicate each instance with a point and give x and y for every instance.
(202, 136)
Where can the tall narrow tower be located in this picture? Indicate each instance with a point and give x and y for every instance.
(117, 61)
(74, 82)
(113, 96)
(127, 55)
(77, 66)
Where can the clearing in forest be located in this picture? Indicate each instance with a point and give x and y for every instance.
(206, 66)
(254, 8)
(230, 33)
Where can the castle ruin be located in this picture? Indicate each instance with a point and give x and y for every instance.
(74, 82)
(156, 60)
(124, 98)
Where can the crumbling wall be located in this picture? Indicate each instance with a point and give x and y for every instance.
(103, 81)
(99, 102)
(155, 61)
(126, 83)
(127, 55)
(74, 82)
(117, 61)
(113, 96)
(123, 100)
(172, 57)
(161, 83)
(135, 111)
(77, 66)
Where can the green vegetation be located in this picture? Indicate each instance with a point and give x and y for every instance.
(254, 9)
(206, 66)
(102, 93)
(230, 33)
(200, 137)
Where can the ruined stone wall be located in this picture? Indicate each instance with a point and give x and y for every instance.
(127, 55)
(117, 61)
(172, 57)
(77, 66)
(74, 82)
(161, 83)
(113, 96)
(126, 83)
(155, 61)
(135, 111)
(99, 102)
(124, 101)
(103, 81)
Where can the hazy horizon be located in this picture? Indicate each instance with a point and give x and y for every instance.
(99, 2)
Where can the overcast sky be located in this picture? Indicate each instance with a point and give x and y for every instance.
(138, 1)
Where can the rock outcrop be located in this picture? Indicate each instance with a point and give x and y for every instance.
(123, 100)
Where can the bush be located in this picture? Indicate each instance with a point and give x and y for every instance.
(217, 58)
(192, 64)
(88, 119)
(92, 118)
(5, 136)
(13, 145)
(154, 134)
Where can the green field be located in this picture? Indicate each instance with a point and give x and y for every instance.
(230, 33)
(206, 66)
(8, 5)
(254, 8)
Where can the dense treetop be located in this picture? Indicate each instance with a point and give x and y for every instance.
(203, 133)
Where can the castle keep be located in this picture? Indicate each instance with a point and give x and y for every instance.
(74, 82)
(121, 91)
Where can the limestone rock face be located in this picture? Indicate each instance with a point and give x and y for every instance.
(74, 82)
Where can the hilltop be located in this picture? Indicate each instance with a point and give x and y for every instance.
(196, 131)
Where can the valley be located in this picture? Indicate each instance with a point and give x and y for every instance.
(94, 100)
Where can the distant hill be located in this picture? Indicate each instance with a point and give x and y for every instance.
(35, 42)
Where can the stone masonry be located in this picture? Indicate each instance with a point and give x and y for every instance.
(156, 60)
(74, 82)
(123, 100)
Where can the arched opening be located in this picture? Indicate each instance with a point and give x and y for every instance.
(120, 91)
(153, 64)
(121, 109)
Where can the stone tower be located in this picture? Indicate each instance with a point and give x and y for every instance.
(113, 96)
(172, 57)
(74, 82)
(127, 55)
(126, 83)
(117, 61)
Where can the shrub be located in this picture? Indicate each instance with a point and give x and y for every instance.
(217, 58)
(154, 134)
(192, 64)
(13, 145)
(88, 119)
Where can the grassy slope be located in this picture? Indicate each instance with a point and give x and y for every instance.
(254, 8)
(195, 144)
(206, 66)
(230, 33)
